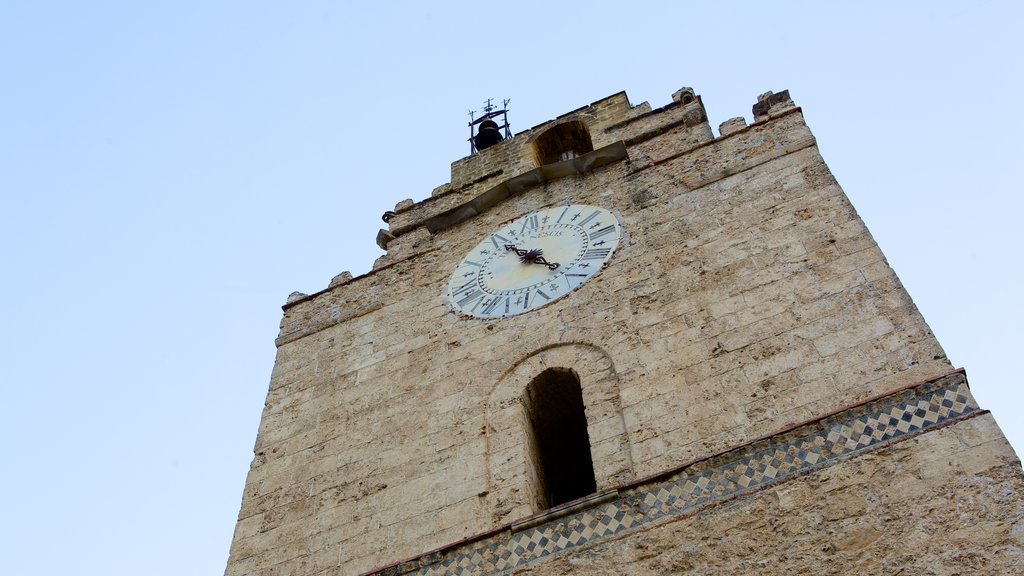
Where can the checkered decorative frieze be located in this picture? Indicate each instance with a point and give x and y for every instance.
(703, 484)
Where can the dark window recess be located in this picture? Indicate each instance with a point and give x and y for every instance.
(563, 142)
(561, 447)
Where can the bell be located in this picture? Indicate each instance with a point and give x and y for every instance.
(487, 135)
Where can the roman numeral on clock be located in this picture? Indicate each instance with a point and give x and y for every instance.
(589, 218)
(602, 232)
(473, 295)
(491, 305)
(596, 253)
(495, 238)
(456, 292)
(530, 223)
(574, 277)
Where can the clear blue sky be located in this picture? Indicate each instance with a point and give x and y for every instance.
(171, 171)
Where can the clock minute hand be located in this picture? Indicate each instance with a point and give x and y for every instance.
(532, 256)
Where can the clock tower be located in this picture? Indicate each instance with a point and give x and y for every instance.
(616, 343)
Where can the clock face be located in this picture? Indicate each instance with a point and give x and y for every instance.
(533, 260)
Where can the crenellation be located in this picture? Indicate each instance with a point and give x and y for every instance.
(644, 125)
(731, 126)
(770, 105)
(689, 132)
(343, 278)
(413, 216)
(410, 244)
(684, 95)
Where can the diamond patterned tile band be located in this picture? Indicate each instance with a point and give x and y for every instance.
(703, 484)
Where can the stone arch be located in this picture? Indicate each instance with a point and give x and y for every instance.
(560, 465)
(563, 141)
(511, 482)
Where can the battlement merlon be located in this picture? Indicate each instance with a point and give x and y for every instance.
(655, 137)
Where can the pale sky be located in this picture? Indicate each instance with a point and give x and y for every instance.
(171, 171)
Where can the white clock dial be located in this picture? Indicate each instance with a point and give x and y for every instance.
(533, 260)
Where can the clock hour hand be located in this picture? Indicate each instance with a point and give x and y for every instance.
(532, 256)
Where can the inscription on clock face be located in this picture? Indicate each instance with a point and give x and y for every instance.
(532, 260)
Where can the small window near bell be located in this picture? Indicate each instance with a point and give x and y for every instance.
(562, 467)
(562, 142)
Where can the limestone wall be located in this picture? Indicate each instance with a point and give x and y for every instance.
(746, 297)
(914, 481)
(936, 505)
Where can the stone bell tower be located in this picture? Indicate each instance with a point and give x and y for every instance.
(617, 344)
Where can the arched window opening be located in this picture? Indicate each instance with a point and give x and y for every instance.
(563, 142)
(562, 465)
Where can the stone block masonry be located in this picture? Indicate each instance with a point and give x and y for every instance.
(649, 506)
(746, 315)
